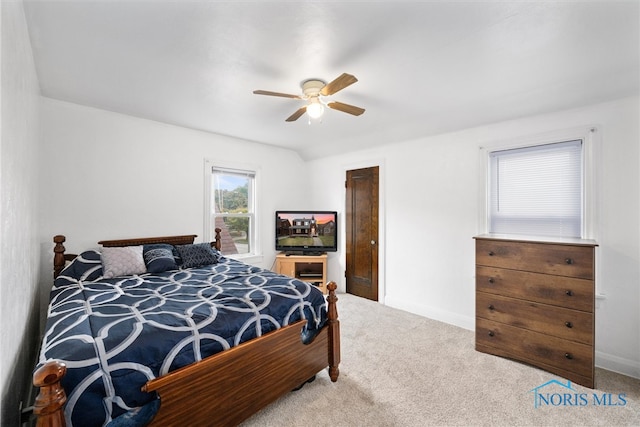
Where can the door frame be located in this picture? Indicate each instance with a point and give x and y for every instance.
(381, 221)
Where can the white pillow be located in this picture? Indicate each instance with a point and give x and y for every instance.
(124, 261)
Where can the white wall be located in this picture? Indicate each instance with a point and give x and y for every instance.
(112, 176)
(430, 191)
(109, 175)
(19, 255)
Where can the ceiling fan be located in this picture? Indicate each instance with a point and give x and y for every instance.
(313, 91)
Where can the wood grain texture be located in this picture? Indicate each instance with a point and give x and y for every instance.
(556, 259)
(238, 382)
(49, 404)
(361, 232)
(308, 268)
(560, 322)
(536, 347)
(535, 303)
(170, 240)
(569, 292)
(587, 381)
(185, 239)
(59, 258)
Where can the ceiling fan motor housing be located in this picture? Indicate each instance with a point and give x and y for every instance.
(312, 87)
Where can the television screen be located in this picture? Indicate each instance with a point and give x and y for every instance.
(306, 232)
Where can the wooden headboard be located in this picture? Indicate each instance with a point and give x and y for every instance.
(187, 239)
(60, 258)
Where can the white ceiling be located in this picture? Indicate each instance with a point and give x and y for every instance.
(424, 67)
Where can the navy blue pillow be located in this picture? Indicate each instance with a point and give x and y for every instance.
(159, 258)
(197, 255)
(86, 267)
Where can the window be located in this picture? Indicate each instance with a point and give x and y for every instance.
(537, 190)
(232, 208)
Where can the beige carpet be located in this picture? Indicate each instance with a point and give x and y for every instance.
(399, 369)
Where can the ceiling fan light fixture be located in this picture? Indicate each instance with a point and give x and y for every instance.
(315, 110)
(315, 92)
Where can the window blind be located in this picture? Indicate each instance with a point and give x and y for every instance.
(537, 190)
(234, 172)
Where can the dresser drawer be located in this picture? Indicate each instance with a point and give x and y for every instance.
(560, 322)
(569, 292)
(548, 258)
(534, 347)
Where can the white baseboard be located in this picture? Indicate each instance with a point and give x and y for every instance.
(604, 360)
(431, 312)
(617, 364)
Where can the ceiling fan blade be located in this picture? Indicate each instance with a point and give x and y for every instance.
(284, 95)
(339, 83)
(346, 108)
(295, 116)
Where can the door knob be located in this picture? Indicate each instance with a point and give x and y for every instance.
(373, 242)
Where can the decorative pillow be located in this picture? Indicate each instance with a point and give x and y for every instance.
(85, 267)
(122, 261)
(159, 258)
(197, 255)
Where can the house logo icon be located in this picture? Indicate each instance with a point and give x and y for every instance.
(541, 397)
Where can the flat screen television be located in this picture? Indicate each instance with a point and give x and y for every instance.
(306, 232)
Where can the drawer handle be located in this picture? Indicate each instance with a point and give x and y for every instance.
(569, 293)
(491, 253)
(491, 280)
(568, 324)
(568, 356)
(491, 307)
(491, 333)
(569, 261)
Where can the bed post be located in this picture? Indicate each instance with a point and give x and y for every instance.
(218, 244)
(334, 332)
(49, 404)
(58, 254)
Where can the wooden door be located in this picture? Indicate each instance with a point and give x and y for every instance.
(361, 225)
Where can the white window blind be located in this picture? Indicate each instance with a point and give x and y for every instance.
(537, 190)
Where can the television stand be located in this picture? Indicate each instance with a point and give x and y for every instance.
(304, 253)
(308, 268)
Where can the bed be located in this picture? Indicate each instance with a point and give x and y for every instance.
(211, 343)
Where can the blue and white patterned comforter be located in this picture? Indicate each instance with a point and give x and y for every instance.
(116, 334)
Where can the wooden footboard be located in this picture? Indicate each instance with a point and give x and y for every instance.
(228, 388)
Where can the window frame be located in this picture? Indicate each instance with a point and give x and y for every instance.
(255, 253)
(590, 144)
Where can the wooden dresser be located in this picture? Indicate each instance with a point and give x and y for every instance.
(535, 303)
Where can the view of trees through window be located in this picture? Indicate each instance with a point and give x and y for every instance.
(232, 210)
